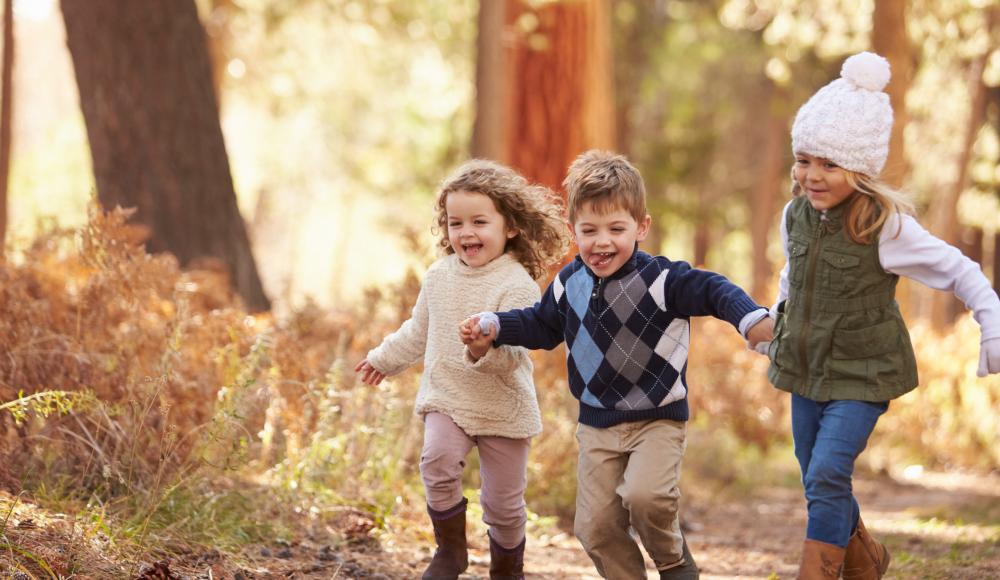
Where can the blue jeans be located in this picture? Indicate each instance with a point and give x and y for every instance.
(829, 437)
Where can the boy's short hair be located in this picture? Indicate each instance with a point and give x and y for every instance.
(606, 180)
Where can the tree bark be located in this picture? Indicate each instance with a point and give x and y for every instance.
(6, 116)
(488, 131)
(890, 39)
(152, 119)
(945, 208)
(560, 98)
(766, 190)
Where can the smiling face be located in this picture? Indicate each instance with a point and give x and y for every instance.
(607, 239)
(476, 230)
(822, 181)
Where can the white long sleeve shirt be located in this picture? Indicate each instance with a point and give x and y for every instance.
(905, 248)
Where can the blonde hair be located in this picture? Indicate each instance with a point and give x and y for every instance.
(869, 207)
(533, 211)
(606, 180)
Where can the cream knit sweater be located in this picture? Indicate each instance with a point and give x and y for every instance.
(496, 395)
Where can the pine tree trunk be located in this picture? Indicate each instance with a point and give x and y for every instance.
(560, 99)
(152, 119)
(945, 208)
(6, 116)
(766, 192)
(890, 39)
(488, 131)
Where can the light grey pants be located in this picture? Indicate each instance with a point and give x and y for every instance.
(503, 467)
(628, 476)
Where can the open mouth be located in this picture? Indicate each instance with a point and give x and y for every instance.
(472, 250)
(601, 259)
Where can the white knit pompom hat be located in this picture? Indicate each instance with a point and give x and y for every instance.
(849, 121)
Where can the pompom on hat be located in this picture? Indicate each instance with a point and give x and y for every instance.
(849, 121)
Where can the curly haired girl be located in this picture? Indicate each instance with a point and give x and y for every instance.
(498, 234)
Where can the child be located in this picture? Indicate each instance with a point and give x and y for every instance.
(499, 232)
(624, 316)
(840, 345)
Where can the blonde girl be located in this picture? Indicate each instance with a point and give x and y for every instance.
(840, 345)
(498, 234)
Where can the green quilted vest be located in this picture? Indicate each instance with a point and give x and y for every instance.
(840, 334)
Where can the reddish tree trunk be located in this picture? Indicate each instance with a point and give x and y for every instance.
(559, 90)
(890, 39)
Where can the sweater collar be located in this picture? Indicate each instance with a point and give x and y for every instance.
(498, 263)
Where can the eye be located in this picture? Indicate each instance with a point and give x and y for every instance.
(454, 224)
(480, 222)
(830, 165)
(618, 230)
(801, 161)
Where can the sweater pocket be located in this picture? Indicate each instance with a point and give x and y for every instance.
(476, 395)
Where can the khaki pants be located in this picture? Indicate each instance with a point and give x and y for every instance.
(628, 475)
(503, 467)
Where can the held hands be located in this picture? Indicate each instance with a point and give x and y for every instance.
(759, 336)
(472, 336)
(989, 357)
(369, 375)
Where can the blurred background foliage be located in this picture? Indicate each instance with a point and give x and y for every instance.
(340, 117)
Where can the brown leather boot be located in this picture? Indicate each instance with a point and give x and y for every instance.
(506, 563)
(866, 558)
(820, 561)
(686, 571)
(452, 555)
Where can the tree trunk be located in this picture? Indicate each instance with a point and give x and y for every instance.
(890, 39)
(152, 118)
(6, 116)
(560, 99)
(766, 190)
(488, 131)
(945, 208)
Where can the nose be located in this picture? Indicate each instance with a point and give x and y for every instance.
(813, 173)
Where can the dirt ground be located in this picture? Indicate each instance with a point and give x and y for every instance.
(937, 526)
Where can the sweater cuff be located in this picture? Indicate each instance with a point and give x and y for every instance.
(751, 319)
(510, 328)
(740, 308)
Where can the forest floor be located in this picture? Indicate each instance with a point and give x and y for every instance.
(935, 525)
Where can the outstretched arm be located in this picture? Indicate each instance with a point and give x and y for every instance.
(692, 292)
(907, 249)
(400, 349)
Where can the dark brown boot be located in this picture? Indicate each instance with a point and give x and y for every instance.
(866, 558)
(820, 561)
(686, 571)
(452, 556)
(506, 563)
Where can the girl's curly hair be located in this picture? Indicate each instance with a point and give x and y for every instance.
(535, 212)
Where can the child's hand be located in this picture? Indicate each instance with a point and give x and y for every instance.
(481, 344)
(369, 375)
(472, 335)
(763, 331)
(469, 330)
(989, 357)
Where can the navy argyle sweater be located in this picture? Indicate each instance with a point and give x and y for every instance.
(627, 335)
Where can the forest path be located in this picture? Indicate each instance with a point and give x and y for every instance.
(936, 525)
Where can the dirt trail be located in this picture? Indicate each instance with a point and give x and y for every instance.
(758, 537)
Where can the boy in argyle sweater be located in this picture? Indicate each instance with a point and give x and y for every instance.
(625, 318)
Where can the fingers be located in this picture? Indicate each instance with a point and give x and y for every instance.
(361, 364)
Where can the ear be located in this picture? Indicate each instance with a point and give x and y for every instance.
(511, 233)
(643, 229)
